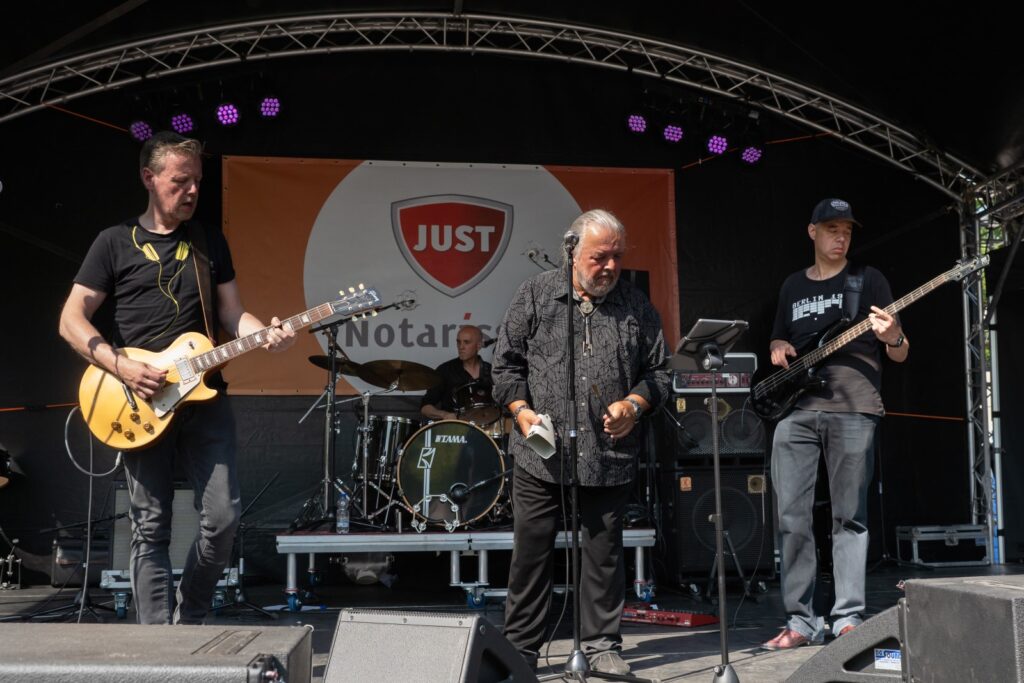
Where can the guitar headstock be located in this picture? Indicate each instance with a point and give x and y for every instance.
(968, 266)
(355, 299)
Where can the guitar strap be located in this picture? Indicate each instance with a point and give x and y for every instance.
(852, 289)
(201, 262)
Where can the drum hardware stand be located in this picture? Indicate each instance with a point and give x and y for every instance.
(577, 668)
(240, 600)
(314, 512)
(706, 344)
(10, 580)
(361, 503)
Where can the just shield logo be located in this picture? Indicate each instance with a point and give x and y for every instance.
(452, 241)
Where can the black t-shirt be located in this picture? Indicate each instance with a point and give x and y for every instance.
(453, 377)
(854, 373)
(150, 280)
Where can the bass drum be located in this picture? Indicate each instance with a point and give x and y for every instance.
(450, 474)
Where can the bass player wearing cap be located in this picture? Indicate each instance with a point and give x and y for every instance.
(838, 422)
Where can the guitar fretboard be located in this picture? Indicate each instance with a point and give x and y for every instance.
(236, 347)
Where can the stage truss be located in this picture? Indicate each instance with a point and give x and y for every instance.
(987, 204)
(159, 57)
(990, 218)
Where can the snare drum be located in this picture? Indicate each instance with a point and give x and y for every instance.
(384, 437)
(438, 466)
(473, 403)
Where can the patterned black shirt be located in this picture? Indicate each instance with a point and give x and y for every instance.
(626, 354)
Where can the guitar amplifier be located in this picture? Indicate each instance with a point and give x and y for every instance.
(184, 526)
(735, 377)
(741, 432)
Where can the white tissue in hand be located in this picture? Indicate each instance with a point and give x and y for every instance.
(541, 437)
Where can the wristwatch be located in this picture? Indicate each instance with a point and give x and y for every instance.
(637, 410)
(899, 342)
(515, 413)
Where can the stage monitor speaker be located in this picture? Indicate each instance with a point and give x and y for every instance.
(184, 526)
(746, 515)
(381, 645)
(946, 630)
(870, 652)
(128, 653)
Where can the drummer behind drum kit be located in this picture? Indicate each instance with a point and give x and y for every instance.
(445, 474)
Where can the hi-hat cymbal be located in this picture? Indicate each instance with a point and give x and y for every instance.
(410, 376)
(342, 365)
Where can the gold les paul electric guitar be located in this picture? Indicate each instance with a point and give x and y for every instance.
(122, 420)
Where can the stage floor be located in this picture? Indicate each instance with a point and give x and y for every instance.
(662, 652)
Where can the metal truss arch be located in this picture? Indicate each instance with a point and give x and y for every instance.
(146, 60)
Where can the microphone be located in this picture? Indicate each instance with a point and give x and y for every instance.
(570, 238)
(458, 493)
(488, 342)
(408, 301)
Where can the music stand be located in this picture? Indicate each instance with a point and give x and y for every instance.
(704, 347)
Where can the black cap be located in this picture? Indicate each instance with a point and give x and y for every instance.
(833, 209)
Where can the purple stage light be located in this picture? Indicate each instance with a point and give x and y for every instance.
(141, 130)
(270, 107)
(751, 154)
(717, 144)
(182, 123)
(637, 123)
(227, 114)
(672, 133)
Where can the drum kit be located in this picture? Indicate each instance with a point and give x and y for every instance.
(449, 474)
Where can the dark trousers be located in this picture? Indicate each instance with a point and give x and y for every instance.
(538, 508)
(202, 441)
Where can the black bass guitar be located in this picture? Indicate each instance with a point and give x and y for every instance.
(775, 395)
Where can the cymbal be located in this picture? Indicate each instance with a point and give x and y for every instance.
(410, 376)
(342, 365)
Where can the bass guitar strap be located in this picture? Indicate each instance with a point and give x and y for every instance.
(852, 289)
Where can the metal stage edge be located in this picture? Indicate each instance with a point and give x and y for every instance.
(458, 543)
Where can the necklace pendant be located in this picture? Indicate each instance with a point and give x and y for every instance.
(586, 307)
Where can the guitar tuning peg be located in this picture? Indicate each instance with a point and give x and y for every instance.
(361, 287)
(351, 290)
(373, 314)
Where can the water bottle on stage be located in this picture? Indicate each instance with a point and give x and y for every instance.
(342, 518)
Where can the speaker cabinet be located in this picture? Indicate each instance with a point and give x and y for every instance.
(946, 630)
(746, 516)
(184, 526)
(128, 653)
(380, 645)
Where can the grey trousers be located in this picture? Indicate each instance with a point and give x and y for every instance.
(202, 441)
(531, 574)
(847, 442)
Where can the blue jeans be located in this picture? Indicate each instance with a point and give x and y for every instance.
(847, 442)
(202, 438)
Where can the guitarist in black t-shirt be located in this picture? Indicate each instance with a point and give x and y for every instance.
(150, 271)
(838, 421)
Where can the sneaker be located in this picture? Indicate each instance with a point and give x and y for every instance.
(787, 640)
(846, 629)
(609, 662)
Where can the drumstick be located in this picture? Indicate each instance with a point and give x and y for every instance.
(593, 388)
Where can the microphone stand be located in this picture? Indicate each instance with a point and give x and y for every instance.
(577, 667)
(706, 344)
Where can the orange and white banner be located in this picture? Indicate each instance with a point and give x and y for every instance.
(460, 237)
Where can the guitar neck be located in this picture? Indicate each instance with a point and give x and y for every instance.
(825, 350)
(236, 347)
